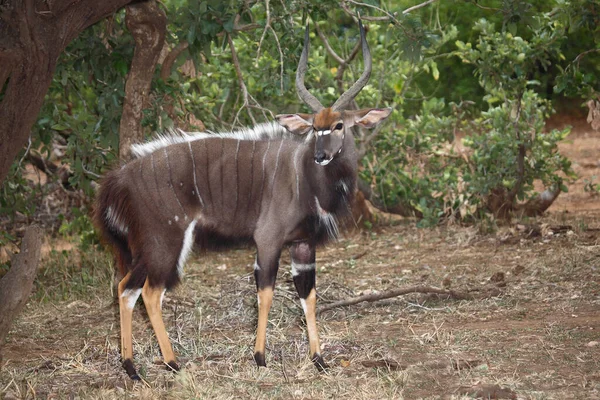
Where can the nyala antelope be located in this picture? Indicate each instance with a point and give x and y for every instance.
(277, 184)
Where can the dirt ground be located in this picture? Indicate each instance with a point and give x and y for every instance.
(532, 330)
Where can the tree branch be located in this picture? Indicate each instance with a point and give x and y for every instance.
(167, 65)
(407, 290)
(34, 34)
(512, 194)
(416, 7)
(148, 24)
(394, 293)
(243, 88)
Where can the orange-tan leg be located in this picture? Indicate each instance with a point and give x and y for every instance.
(265, 274)
(127, 299)
(153, 300)
(304, 274)
(265, 299)
(310, 312)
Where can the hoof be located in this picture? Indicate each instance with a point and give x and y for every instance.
(130, 369)
(172, 366)
(319, 363)
(260, 359)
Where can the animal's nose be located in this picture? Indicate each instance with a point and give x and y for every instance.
(320, 156)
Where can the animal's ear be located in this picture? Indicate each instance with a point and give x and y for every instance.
(367, 117)
(299, 124)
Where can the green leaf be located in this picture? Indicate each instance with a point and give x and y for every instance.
(191, 35)
(59, 127)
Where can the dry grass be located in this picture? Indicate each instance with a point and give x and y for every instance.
(532, 340)
(535, 340)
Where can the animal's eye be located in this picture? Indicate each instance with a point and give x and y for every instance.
(339, 126)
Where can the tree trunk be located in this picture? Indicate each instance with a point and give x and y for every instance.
(33, 33)
(148, 24)
(16, 285)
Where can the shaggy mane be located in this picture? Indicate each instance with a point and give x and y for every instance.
(265, 131)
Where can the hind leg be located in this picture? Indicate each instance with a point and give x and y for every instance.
(127, 299)
(165, 268)
(153, 297)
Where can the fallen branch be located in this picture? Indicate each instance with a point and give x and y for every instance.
(402, 291)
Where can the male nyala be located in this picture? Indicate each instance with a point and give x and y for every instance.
(277, 184)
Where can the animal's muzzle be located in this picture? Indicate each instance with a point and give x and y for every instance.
(320, 156)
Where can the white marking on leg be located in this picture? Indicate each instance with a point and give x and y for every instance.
(256, 266)
(162, 297)
(188, 240)
(303, 302)
(298, 268)
(131, 296)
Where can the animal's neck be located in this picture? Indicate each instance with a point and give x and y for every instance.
(334, 184)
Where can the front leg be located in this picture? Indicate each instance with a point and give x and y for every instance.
(265, 272)
(304, 274)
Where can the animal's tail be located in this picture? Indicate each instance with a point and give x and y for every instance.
(113, 221)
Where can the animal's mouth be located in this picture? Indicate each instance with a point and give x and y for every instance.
(324, 162)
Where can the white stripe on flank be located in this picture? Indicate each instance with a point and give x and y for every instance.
(263, 165)
(188, 240)
(173, 187)
(277, 163)
(296, 153)
(131, 296)
(298, 268)
(194, 171)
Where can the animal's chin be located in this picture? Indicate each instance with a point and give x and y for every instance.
(324, 162)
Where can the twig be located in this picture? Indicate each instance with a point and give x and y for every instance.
(389, 16)
(262, 37)
(280, 58)
(581, 55)
(238, 71)
(413, 8)
(364, 18)
(264, 33)
(24, 155)
(167, 65)
(395, 293)
(328, 47)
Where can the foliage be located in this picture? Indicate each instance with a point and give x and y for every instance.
(581, 76)
(423, 65)
(506, 148)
